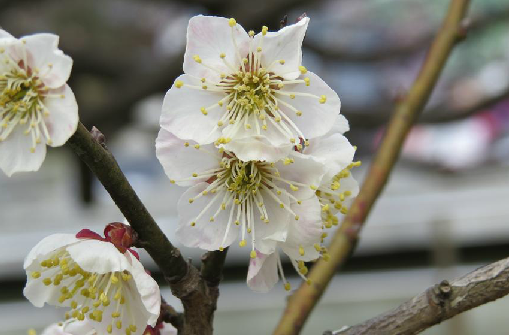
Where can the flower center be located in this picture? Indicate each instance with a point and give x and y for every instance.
(250, 90)
(244, 189)
(90, 294)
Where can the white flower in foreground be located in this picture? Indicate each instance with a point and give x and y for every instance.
(248, 92)
(229, 196)
(37, 107)
(104, 286)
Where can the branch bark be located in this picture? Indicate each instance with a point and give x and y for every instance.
(197, 296)
(302, 302)
(439, 303)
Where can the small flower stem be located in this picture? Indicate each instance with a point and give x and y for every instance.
(302, 302)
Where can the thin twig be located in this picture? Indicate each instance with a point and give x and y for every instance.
(439, 303)
(302, 302)
(212, 266)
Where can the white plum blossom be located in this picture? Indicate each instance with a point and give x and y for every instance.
(249, 93)
(105, 285)
(229, 196)
(37, 107)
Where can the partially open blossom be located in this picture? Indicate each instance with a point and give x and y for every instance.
(249, 93)
(37, 107)
(303, 244)
(338, 188)
(105, 286)
(228, 197)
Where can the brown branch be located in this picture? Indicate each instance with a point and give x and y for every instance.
(212, 266)
(440, 302)
(184, 279)
(302, 302)
(170, 315)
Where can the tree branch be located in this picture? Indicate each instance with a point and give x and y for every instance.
(439, 303)
(185, 282)
(212, 266)
(302, 302)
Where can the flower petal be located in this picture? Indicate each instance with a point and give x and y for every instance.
(98, 257)
(205, 234)
(305, 232)
(15, 154)
(84, 327)
(340, 125)
(4, 34)
(208, 37)
(62, 120)
(48, 245)
(38, 294)
(334, 151)
(262, 274)
(316, 118)
(182, 113)
(148, 290)
(268, 234)
(180, 162)
(259, 148)
(43, 55)
(285, 44)
(304, 170)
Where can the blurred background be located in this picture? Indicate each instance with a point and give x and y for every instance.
(443, 213)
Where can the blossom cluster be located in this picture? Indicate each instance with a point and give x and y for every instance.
(258, 139)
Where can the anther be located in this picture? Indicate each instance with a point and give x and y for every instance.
(303, 69)
(197, 59)
(179, 83)
(323, 99)
(232, 22)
